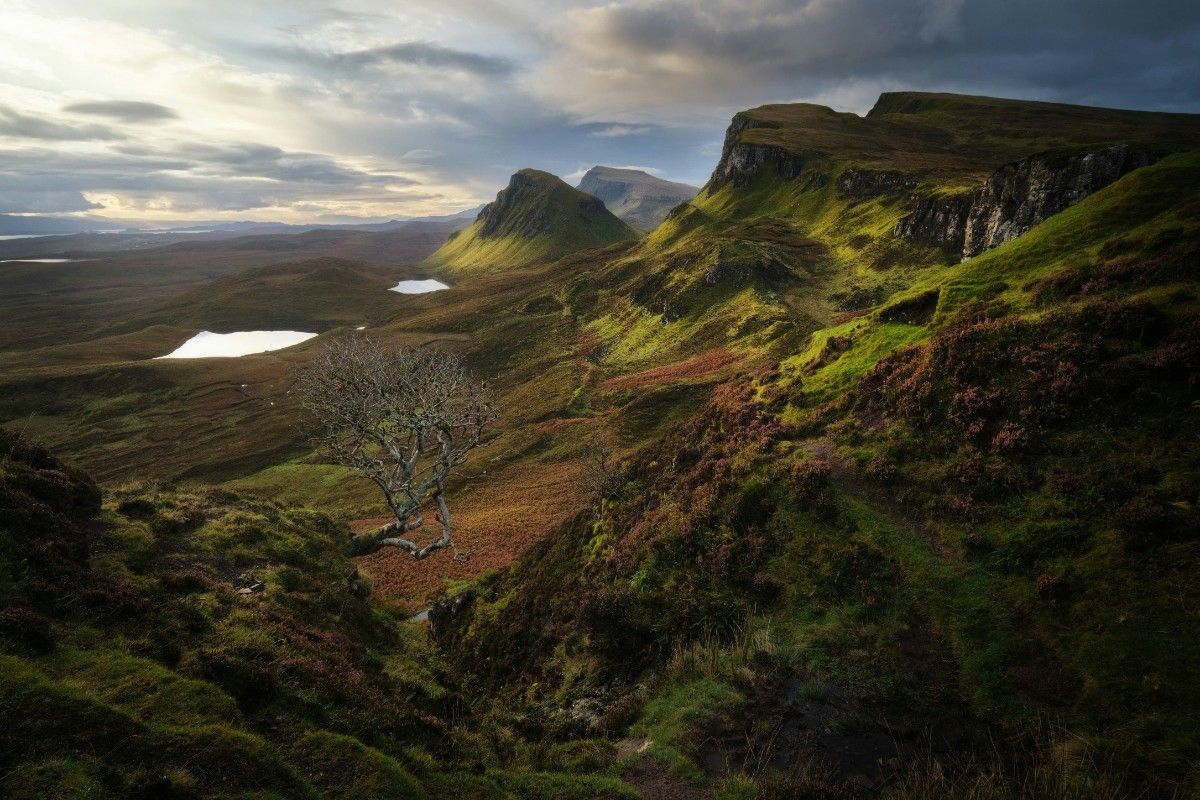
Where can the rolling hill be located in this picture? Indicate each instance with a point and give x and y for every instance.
(97, 290)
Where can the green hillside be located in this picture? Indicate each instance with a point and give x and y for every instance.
(889, 518)
(970, 489)
(537, 217)
(197, 643)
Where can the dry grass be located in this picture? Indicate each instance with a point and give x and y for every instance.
(551, 425)
(496, 520)
(701, 366)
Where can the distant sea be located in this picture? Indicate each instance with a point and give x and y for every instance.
(32, 235)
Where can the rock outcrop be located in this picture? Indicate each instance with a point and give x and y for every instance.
(869, 183)
(537, 217)
(1014, 199)
(740, 161)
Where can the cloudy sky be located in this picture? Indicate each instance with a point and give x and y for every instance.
(301, 111)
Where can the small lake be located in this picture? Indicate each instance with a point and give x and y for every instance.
(207, 344)
(419, 287)
(42, 260)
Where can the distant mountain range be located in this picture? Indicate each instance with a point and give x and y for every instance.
(637, 197)
(23, 225)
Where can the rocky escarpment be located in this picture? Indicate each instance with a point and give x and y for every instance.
(740, 161)
(1014, 199)
(859, 183)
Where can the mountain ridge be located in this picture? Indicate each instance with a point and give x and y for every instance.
(640, 199)
(537, 216)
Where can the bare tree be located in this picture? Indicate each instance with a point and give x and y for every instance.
(404, 418)
(603, 472)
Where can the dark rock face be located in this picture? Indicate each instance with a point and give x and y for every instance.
(741, 272)
(447, 613)
(869, 183)
(1014, 199)
(1019, 196)
(740, 161)
(937, 221)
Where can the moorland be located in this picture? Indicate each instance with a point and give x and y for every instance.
(899, 417)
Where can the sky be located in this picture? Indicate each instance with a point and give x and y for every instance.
(330, 111)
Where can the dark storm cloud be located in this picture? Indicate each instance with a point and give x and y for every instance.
(27, 126)
(635, 57)
(1135, 55)
(461, 93)
(124, 110)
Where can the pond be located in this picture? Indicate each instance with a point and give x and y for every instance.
(419, 287)
(207, 344)
(41, 260)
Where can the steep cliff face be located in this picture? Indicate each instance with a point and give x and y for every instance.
(937, 221)
(741, 160)
(1015, 198)
(860, 183)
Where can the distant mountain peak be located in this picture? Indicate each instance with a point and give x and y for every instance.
(536, 217)
(636, 196)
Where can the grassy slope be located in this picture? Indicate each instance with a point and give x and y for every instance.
(142, 671)
(1029, 621)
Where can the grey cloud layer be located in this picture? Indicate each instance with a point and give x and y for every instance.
(123, 110)
(28, 126)
(421, 54)
(189, 177)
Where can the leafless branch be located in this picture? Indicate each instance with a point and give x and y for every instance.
(403, 418)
